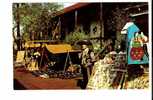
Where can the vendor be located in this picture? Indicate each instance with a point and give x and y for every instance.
(87, 57)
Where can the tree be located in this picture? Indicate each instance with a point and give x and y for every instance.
(32, 20)
(17, 26)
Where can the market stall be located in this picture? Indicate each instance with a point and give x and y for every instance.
(61, 61)
(108, 73)
(128, 70)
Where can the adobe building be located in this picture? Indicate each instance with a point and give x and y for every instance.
(101, 20)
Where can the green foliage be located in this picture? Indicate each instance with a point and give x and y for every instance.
(26, 37)
(75, 36)
(34, 17)
(96, 47)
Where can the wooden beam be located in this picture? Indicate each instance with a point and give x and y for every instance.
(139, 14)
(101, 24)
(76, 18)
(136, 6)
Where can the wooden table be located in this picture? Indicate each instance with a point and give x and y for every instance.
(25, 80)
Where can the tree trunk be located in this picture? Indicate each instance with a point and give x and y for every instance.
(18, 27)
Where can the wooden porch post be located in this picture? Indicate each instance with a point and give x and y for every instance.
(59, 25)
(101, 25)
(76, 18)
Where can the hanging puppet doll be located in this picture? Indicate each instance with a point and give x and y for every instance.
(136, 44)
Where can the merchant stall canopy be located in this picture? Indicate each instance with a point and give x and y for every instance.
(63, 55)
